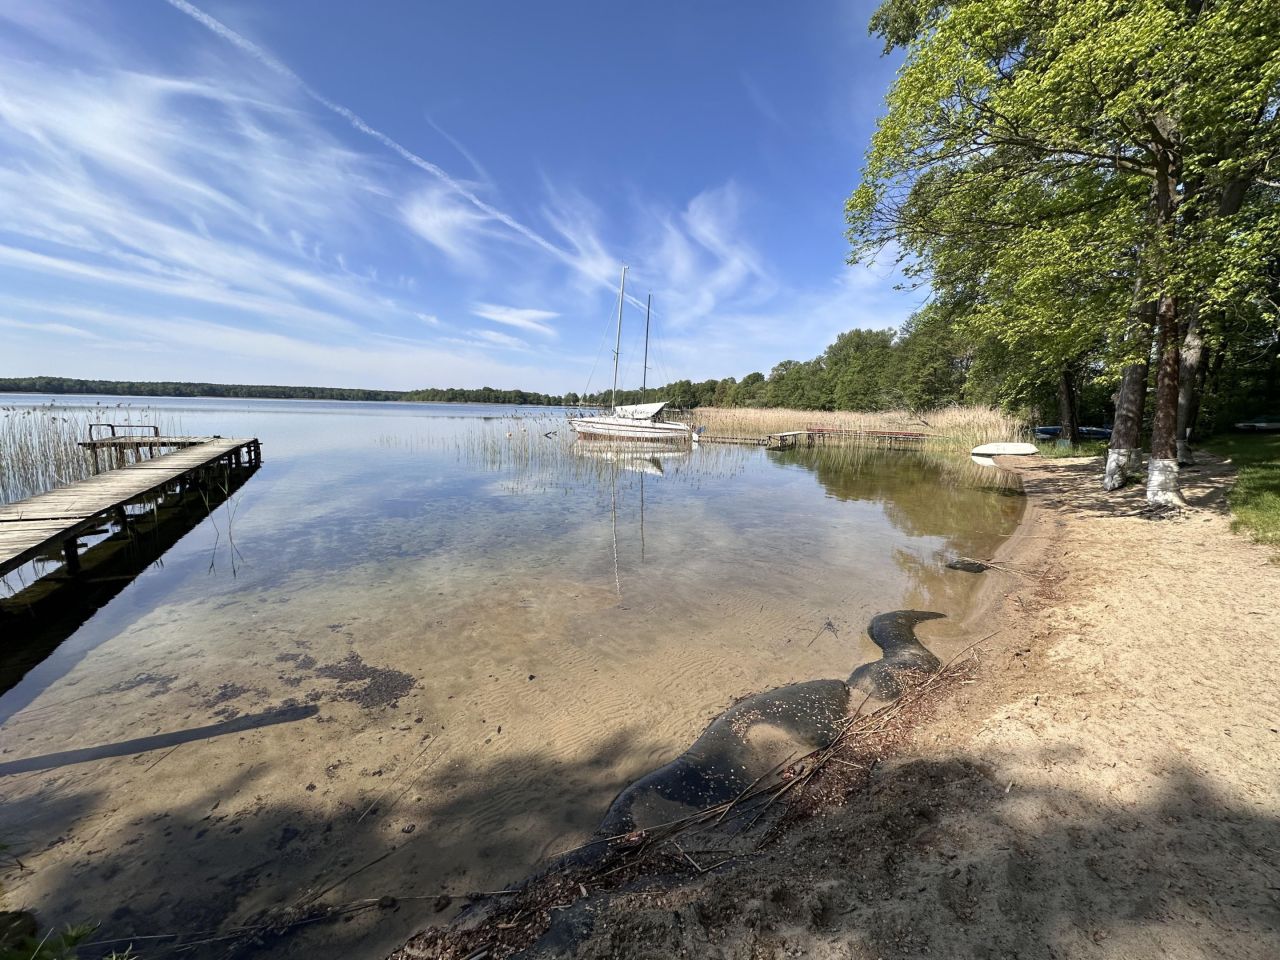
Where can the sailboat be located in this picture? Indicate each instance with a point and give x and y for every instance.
(637, 422)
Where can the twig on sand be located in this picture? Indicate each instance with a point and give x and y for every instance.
(872, 733)
(1002, 567)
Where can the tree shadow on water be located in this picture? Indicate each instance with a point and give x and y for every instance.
(124, 748)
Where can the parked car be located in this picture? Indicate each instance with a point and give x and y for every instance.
(1086, 433)
(1259, 424)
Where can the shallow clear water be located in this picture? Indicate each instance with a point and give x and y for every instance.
(483, 634)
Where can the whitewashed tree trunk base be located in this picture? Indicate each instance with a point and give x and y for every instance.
(1117, 471)
(1162, 484)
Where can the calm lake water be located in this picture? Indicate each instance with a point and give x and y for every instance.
(425, 645)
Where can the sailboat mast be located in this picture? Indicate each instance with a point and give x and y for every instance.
(617, 347)
(644, 370)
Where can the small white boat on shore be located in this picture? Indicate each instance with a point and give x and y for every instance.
(1004, 450)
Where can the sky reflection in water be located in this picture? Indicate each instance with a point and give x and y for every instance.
(550, 623)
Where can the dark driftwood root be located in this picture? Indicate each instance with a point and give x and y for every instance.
(905, 658)
(724, 774)
(968, 565)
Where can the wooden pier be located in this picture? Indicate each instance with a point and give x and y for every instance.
(57, 519)
(818, 436)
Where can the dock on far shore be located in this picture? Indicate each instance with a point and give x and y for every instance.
(816, 436)
(29, 528)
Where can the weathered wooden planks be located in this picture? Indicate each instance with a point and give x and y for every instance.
(29, 527)
(145, 440)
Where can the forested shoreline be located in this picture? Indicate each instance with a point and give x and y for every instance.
(170, 388)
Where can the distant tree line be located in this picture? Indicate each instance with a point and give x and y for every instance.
(483, 395)
(923, 366)
(169, 388)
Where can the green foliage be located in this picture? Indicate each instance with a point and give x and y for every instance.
(1088, 448)
(482, 395)
(1255, 498)
(20, 940)
(1048, 166)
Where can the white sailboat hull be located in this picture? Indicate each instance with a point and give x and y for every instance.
(629, 429)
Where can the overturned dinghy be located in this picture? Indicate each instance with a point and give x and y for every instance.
(983, 453)
(1004, 450)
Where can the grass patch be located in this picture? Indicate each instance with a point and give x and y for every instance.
(1085, 448)
(1255, 498)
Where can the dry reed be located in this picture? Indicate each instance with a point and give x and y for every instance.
(39, 445)
(959, 428)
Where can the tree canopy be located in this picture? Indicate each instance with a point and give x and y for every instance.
(1052, 167)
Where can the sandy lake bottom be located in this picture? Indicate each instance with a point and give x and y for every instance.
(414, 655)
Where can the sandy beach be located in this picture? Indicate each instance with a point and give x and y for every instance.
(1102, 781)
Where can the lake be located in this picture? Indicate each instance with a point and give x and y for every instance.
(425, 645)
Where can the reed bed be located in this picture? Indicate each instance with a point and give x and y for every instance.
(958, 428)
(38, 445)
(541, 452)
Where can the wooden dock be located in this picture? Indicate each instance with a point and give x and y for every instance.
(29, 528)
(817, 436)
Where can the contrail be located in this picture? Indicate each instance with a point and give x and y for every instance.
(277, 66)
(457, 145)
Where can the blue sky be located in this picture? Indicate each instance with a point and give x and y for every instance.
(405, 194)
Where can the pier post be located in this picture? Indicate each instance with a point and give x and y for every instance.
(71, 555)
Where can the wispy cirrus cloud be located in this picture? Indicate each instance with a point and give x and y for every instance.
(208, 210)
(525, 318)
(462, 190)
(464, 235)
(500, 339)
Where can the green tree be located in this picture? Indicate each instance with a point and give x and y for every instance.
(859, 370)
(751, 391)
(1046, 159)
(726, 391)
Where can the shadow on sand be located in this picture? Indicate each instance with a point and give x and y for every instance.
(936, 858)
(124, 748)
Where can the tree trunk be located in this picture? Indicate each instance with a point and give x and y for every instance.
(1273, 378)
(1193, 357)
(1070, 434)
(1162, 474)
(1124, 454)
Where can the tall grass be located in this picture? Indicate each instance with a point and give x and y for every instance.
(958, 428)
(38, 445)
